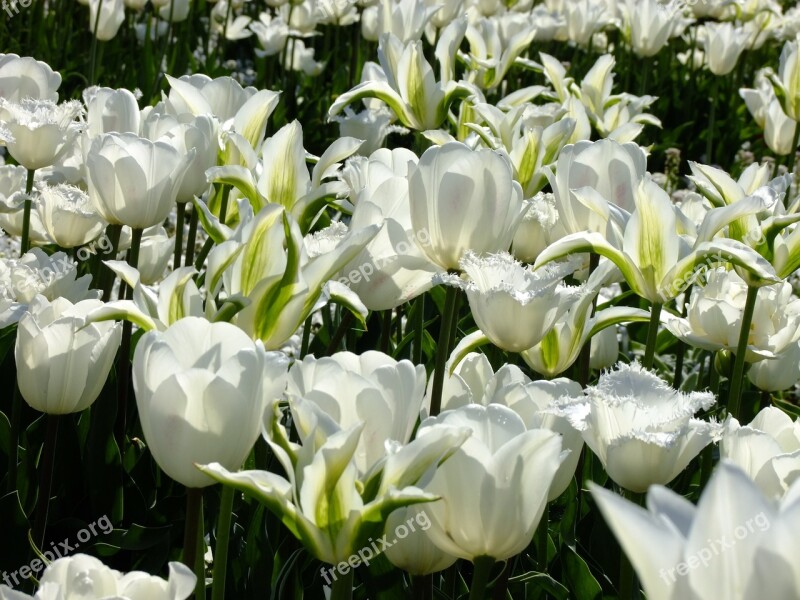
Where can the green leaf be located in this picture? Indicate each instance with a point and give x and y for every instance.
(578, 577)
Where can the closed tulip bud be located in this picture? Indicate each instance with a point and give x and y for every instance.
(202, 389)
(133, 181)
(106, 25)
(777, 374)
(111, 111)
(62, 365)
(415, 553)
(724, 45)
(154, 254)
(463, 200)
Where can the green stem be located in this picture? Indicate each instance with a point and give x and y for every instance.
(584, 360)
(422, 587)
(123, 360)
(93, 51)
(419, 328)
(480, 577)
(191, 237)
(442, 349)
(386, 331)
(105, 276)
(735, 396)
(343, 586)
(306, 337)
(46, 463)
(176, 261)
(193, 529)
(13, 455)
(711, 121)
(541, 536)
(652, 335)
(341, 330)
(26, 215)
(223, 538)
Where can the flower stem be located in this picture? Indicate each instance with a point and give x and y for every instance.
(46, 463)
(13, 455)
(735, 396)
(193, 530)
(480, 577)
(652, 335)
(711, 118)
(422, 586)
(442, 349)
(190, 238)
(343, 586)
(419, 328)
(26, 215)
(628, 585)
(584, 359)
(541, 536)
(223, 538)
(176, 262)
(123, 361)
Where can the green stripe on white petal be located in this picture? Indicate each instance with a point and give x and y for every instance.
(307, 209)
(343, 296)
(715, 184)
(270, 489)
(219, 260)
(650, 238)
(240, 178)
(285, 175)
(594, 242)
(382, 91)
(251, 119)
(215, 229)
(717, 218)
(339, 150)
(617, 315)
(178, 296)
(124, 310)
(258, 256)
(474, 340)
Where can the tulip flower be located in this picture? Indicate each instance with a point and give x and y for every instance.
(473, 381)
(654, 262)
(283, 287)
(763, 104)
(202, 389)
(62, 365)
(54, 276)
(83, 576)
(648, 25)
(133, 181)
(372, 388)
(26, 77)
(779, 373)
(723, 46)
(105, 25)
(734, 544)
(411, 89)
(787, 80)
(465, 200)
(715, 312)
(391, 269)
(768, 449)
(513, 305)
(111, 111)
(494, 488)
(321, 471)
(495, 45)
(37, 132)
(641, 429)
(416, 553)
(69, 216)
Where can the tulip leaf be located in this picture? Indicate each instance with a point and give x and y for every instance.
(5, 434)
(579, 579)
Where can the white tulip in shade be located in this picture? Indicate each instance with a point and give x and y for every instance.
(69, 216)
(83, 576)
(25, 77)
(494, 488)
(62, 365)
(641, 429)
(463, 199)
(202, 389)
(735, 544)
(777, 374)
(768, 449)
